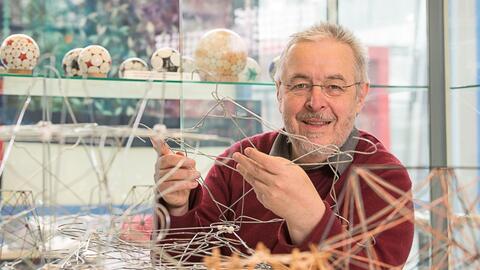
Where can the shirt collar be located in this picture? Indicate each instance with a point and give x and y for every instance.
(282, 147)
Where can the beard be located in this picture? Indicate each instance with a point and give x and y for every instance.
(304, 143)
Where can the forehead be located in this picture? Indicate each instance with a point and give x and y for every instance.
(319, 60)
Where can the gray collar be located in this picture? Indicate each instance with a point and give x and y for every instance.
(282, 147)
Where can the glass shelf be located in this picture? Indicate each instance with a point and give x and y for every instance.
(123, 88)
(129, 88)
(137, 80)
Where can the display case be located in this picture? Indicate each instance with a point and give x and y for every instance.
(77, 170)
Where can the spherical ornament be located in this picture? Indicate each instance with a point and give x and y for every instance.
(165, 59)
(95, 61)
(132, 63)
(19, 53)
(272, 68)
(251, 72)
(137, 228)
(188, 64)
(70, 63)
(220, 55)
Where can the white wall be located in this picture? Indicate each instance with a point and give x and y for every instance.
(70, 178)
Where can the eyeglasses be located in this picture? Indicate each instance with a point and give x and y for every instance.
(330, 89)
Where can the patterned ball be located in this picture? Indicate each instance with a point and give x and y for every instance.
(70, 63)
(137, 229)
(19, 53)
(272, 68)
(220, 55)
(165, 59)
(251, 72)
(95, 61)
(132, 63)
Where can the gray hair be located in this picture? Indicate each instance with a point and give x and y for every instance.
(336, 32)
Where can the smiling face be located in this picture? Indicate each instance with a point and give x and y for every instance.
(323, 119)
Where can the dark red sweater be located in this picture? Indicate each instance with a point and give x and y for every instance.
(391, 246)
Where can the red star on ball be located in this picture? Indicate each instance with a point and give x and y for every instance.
(23, 56)
(89, 63)
(5, 60)
(9, 42)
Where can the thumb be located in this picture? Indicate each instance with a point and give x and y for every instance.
(160, 146)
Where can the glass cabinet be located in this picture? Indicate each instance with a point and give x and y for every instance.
(77, 159)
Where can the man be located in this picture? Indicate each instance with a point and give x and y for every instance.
(321, 85)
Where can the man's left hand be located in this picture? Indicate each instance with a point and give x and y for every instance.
(284, 188)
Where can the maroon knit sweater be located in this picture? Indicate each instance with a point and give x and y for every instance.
(390, 246)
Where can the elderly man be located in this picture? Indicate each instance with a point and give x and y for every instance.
(299, 175)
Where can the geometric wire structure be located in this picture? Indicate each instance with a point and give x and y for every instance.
(461, 243)
(19, 225)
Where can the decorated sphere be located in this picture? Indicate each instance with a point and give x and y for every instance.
(165, 60)
(137, 228)
(95, 61)
(70, 63)
(272, 68)
(251, 72)
(19, 53)
(220, 55)
(132, 63)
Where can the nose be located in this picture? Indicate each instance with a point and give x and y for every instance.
(317, 99)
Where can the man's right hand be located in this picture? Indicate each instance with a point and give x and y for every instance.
(176, 183)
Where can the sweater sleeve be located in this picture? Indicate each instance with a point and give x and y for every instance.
(205, 206)
(389, 228)
(205, 210)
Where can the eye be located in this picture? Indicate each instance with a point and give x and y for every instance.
(334, 89)
(300, 86)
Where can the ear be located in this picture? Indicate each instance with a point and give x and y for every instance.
(279, 96)
(362, 95)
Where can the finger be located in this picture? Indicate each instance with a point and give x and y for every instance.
(270, 163)
(251, 171)
(249, 163)
(160, 146)
(172, 161)
(181, 174)
(173, 186)
(246, 161)
(259, 187)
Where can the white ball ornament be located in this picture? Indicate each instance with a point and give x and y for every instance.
(19, 54)
(132, 63)
(220, 55)
(251, 72)
(165, 60)
(95, 61)
(70, 64)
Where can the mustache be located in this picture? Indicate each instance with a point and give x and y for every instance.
(319, 116)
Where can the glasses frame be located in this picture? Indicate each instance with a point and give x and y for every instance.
(324, 87)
